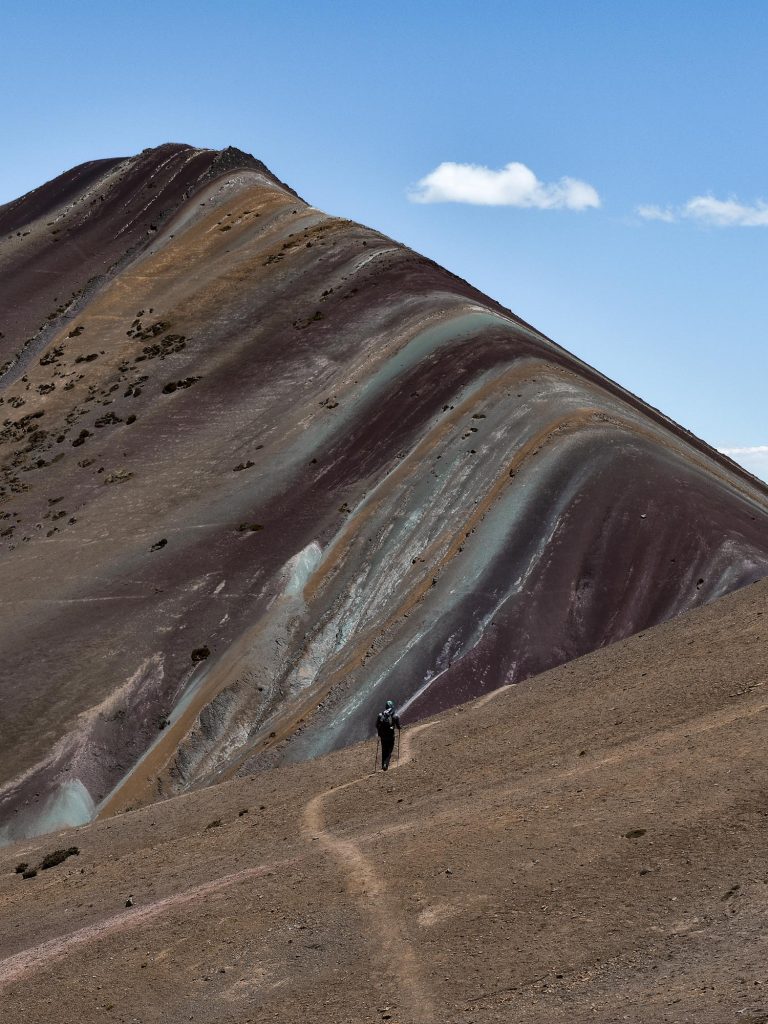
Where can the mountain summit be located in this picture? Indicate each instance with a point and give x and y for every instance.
(262, 468)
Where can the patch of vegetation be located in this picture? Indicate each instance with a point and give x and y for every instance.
(52, 355)
(142, 333)
(50, 860)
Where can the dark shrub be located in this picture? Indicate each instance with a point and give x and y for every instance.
(50, 860)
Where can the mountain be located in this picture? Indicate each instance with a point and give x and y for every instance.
(261, 468)
(586, 846)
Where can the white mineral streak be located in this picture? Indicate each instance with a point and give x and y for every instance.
(299, 568)
(68, 806)
(71, 804)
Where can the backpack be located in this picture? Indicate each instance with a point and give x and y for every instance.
(385, 722)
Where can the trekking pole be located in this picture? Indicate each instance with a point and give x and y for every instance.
(376, 757)
(398, 748)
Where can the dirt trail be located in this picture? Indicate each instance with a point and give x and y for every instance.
(33, 958)
(363, 882)
(492, 696)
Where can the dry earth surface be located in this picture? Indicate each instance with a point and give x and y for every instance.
(586, 846)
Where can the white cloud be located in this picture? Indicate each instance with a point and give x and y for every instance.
(753, 458)
(514, 185)
(726, 213)
(719, 213)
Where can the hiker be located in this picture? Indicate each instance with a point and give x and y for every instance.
(386, 722)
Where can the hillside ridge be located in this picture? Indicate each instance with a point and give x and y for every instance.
(262, 467)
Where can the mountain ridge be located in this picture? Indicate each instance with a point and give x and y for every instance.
(269, 466)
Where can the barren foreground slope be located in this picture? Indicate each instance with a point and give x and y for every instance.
(262, 468)
(586, 846)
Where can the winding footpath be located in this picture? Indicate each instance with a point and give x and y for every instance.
(363, 882)
(396, 953)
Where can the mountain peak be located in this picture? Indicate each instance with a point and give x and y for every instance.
(261, 467)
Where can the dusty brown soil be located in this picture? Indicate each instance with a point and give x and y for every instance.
(587, 846)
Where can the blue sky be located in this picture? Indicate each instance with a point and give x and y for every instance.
(650, 104)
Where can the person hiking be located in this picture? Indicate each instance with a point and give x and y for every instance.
(386, 722)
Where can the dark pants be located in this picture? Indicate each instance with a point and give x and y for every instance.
(387, 746)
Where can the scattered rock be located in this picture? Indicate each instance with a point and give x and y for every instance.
(215, 824)
(118, 477)
(635, 833)
(175, 385)
(21, 868)
(307, 321)
(29, 873)
(159, 544)
(108, 419)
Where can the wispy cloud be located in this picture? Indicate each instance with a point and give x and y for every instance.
(719, 213)
(657, 213)
(756, 449)
(753, 457)
(513, 185)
